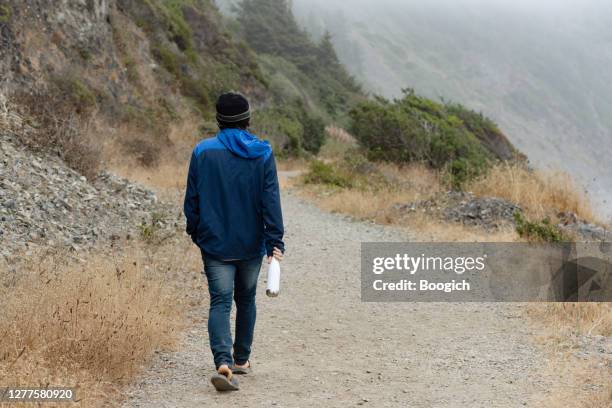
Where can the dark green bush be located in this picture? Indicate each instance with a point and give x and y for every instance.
(538, 231)
(167, 59)
(414, 128)
(313, 132)
(486, 131)
(178, 29)
(291, 128)
(131, 70)
(323, 173)
(198, 90)
(85, 53)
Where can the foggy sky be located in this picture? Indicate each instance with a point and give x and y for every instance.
(540, 68)
(551, 8)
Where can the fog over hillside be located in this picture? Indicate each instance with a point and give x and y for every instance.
(541, 70)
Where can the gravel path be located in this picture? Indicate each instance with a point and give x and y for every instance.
(319, 345)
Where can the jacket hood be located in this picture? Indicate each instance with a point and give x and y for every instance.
(244, 144)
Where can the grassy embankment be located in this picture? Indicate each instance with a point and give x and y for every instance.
(91, 323)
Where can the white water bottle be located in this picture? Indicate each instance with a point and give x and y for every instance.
(273, 279)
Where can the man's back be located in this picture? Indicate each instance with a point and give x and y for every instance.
(232, 202)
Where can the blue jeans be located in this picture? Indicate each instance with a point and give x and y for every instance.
(227, 279)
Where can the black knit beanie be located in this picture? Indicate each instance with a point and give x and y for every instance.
(232, 108)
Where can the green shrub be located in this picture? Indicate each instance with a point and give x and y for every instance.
(179, 31)
(152, 121)
(291, 128)
(314, 132)
(164, 15)
(356, 162)
(323, 173)
(167, 58)
(538, 231)
(486, 131)
(279, 127)
(414, 128)
(76, 92)
(149, 231)
(198, 91)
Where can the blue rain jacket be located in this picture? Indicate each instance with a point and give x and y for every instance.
(232, 203)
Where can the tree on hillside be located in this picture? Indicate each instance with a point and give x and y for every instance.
(326, 52)
(270, 27)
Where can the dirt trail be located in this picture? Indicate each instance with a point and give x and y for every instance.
(319, 345)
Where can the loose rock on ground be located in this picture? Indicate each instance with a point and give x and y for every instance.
(45, 203)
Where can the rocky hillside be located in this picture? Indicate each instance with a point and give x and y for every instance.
(115, 47)
(141, 66)
(131, 70)
(44, 203)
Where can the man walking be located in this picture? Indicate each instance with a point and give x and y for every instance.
(233, 211)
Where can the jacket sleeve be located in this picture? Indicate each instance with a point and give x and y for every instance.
(192, 202)
(272, 213)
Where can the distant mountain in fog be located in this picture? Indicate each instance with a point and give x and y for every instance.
(544, 73)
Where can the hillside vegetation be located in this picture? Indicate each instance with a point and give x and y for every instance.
(270, 28)
(142, 69)
(416, 129)
(141, 66)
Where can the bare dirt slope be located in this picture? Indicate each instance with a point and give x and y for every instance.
(319, 345)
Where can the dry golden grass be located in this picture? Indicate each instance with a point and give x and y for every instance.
(169, 176)
(539, 193)
(410, 183)
(291, 164)
(90, 325)
(376, 207)
(575, 318)
(338, 142)
(578, 384)
(584, 382)
(417, 178)
(601, 399)
(371, 205)
(341, 135)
